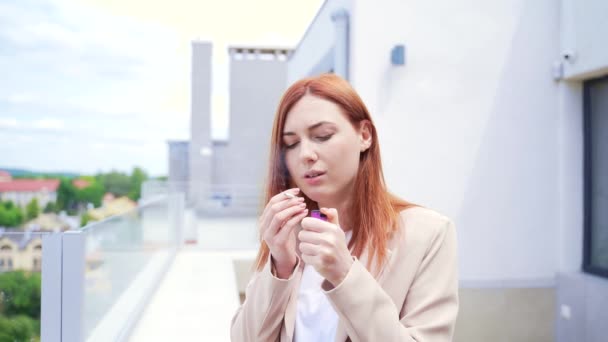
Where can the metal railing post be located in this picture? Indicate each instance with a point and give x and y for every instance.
(72, 297)
(50, 299)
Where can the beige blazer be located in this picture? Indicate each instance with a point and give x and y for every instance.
(413, 296)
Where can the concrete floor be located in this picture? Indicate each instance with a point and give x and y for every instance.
(199, 294)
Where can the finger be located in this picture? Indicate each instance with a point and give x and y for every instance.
(308, 259)
(290, 224)
(308, 248)
(332, 215)
(315, 225)
(272, 209)
(279, 219)
(310, 237)
(281, 195)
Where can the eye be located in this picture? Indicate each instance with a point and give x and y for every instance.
(289, 147)
(324, 137)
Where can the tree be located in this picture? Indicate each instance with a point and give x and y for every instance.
(8, 204)
(19, 328)
(138, 176)
(23, 291)
(66, 196)
(32, 209)
(19, 306)
(91, 194)
(116, 182)
(84, 219)
(10, 214)
(50, 207)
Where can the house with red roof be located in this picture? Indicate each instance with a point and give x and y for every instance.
(22, 191)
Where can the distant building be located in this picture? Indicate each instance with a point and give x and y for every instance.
(179, 169)
(230, 174)
(20, 252)
(22, 191)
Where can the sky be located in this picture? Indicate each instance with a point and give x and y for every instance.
(97, 85)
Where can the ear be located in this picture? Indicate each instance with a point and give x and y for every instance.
(365, 135)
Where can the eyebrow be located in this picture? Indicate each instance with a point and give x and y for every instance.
(311, 127)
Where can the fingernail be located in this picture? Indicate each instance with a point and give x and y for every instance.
(303, 205)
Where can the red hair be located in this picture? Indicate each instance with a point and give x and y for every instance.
(374, 212)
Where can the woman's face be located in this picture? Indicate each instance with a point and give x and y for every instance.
(322, 149)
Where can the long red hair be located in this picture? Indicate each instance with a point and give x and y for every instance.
(374, 211)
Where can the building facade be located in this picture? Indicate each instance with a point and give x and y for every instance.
(20, 252)
(22, 191)
(227, 176)
(480, 109)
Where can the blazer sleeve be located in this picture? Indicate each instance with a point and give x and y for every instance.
(430, 308)
(260, 317)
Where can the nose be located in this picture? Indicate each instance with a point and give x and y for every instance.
(307, 152)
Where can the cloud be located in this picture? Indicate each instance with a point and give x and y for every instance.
(66, 50)
(8, 123)
(19, 98)
(49, 124)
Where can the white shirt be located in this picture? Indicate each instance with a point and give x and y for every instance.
(316, 319)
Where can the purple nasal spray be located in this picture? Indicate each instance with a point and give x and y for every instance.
(317, 214)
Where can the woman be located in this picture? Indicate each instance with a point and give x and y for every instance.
(379, 268)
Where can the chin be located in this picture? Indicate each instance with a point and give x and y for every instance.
(316, 195)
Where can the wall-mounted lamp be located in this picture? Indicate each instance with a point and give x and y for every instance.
(398, 55)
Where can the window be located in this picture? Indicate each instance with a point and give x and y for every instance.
(595, 249)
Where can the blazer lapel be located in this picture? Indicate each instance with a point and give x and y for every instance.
(377, 272)
(341, 335)
(292, 305)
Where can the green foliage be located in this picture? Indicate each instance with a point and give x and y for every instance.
(122, 184)
(116, 182)
(9, 205)
(10, 214)
(20, 294)
(32, 209)
(84, 219)
(19, 328)
(91, 194)
(138, 176)
(73, 200)
(20, 306)
(66, 196)
(50, 207)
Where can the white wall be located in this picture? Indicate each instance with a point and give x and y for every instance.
(584, 30)
(316, 43)
(469, 126)
(22, 198)
(570, 144)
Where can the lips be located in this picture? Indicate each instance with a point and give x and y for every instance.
(313, 174)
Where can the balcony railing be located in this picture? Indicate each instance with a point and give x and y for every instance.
(97, 280)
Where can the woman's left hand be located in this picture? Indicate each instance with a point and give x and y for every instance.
(323, 245)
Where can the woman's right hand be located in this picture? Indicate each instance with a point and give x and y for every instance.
(281, 215)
